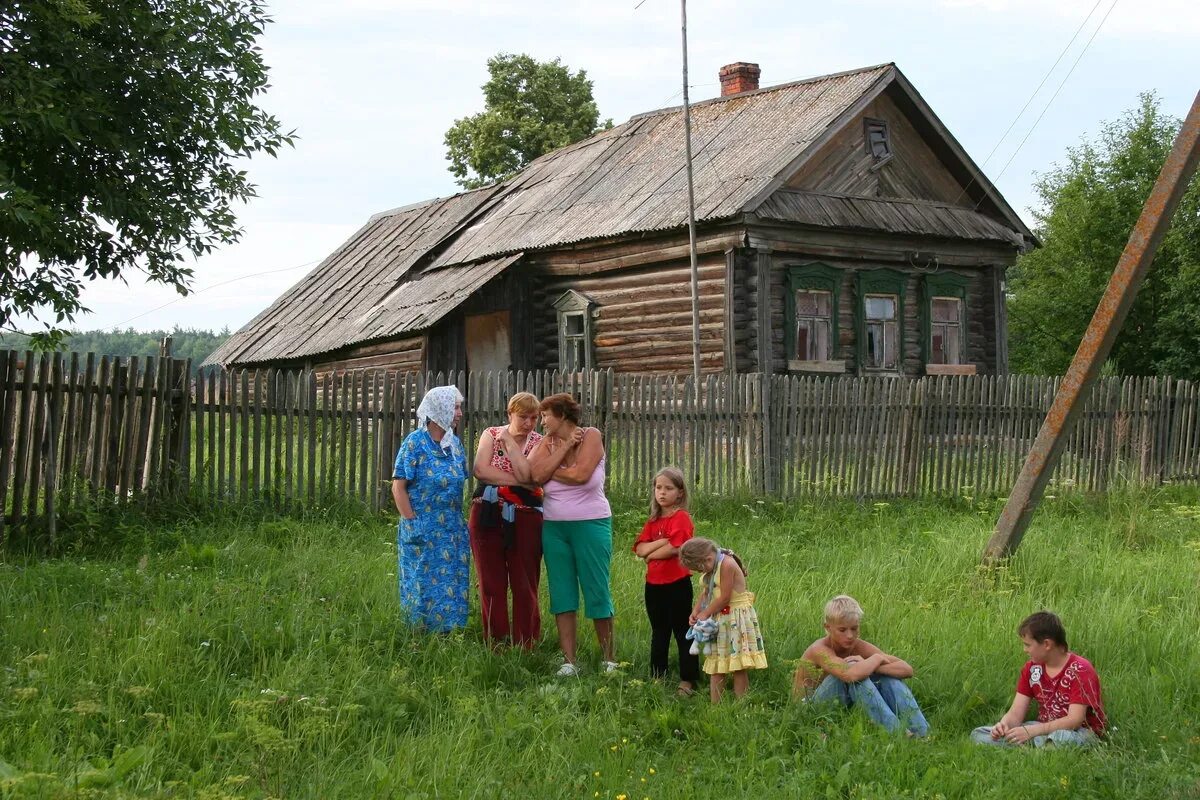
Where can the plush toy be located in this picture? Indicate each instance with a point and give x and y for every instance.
(704, 632)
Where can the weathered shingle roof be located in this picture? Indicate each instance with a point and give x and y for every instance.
(408, 267)
(920, 217)
(352, 295)
(631, 179)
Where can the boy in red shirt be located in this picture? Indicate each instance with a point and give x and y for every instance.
(1065, 686)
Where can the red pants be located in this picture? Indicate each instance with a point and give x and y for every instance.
(518, 568)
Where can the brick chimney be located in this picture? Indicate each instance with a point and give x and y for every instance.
(738, 78)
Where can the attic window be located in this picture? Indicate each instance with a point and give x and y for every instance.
(879, 142)
(574, 311)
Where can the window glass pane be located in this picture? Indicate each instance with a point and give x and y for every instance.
(574, 355)
(820, 350)
(890, 338)
(812, 304)
(881, 307)
(573, 324)
(874, 344)
(802, 340)
(953, 345)
(946, 309)
(937, 348)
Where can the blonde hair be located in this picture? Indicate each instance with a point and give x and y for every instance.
(523, 403)
(694, 551)
(675, 476)
(843, 608)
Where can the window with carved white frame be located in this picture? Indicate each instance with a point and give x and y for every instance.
(574, 310)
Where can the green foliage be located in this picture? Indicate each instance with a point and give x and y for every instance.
(1090, 205)
(121, 127)
(530, 108)
(186, 342)
(232, 653)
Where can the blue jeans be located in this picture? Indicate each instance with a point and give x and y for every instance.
(888, 701)
(1081, 737)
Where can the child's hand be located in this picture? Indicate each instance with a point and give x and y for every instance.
(691, 619)
(999, 729)
(1018, 734)
(701, 616)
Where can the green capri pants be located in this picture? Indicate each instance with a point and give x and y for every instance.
(578, 554)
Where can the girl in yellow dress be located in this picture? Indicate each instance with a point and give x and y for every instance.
(739, 644)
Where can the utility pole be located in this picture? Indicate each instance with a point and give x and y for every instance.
(691, 196)
(1098, 339)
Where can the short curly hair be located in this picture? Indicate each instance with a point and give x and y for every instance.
(563, 405)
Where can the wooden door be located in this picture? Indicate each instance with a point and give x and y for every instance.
(489, 345)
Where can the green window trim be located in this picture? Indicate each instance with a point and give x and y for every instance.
(878, 281)
(942, 284)
(816, 277)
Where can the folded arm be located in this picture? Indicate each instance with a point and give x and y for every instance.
(591, 450)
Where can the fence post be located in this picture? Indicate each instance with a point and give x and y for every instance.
(178, 464)
(770, 452)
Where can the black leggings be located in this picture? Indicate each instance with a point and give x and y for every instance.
(668, 605)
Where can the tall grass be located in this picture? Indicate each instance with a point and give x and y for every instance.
(238, 654)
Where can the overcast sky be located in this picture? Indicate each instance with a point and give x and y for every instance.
(371, 87)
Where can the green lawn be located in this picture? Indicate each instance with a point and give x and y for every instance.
(248, 656)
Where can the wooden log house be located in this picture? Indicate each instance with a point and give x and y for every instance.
(841, 230)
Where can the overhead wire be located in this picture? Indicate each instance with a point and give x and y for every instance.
(215, 286)
(1057, 91)
(1029, 102)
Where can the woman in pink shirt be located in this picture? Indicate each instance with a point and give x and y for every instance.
(577, 527)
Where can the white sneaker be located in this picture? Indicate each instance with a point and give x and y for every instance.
(567, 670)
(610, 666)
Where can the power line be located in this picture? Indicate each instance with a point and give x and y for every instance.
(1056, 91)
(1028, 102)
(215, 286)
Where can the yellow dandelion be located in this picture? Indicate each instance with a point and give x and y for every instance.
(622, 797)
(652, 771)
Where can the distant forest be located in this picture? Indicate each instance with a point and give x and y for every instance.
(185, 342)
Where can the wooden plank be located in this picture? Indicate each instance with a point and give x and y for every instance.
(203, 382)
(71, 426)
(256, 437)
(143, 441)
(265, 401)
(364, 443)
(312, 434)
(290, 381)
(54, 419)
(23, 425)
(244, 416)
(223, 483)
(37, 440)
(179, 400)
(8, 409)
(86, 447)
(129, 430)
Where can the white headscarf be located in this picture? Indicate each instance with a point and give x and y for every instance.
(438, 405)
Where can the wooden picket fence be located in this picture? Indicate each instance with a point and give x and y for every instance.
(78, 429)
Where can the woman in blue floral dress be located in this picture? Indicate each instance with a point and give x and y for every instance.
(432, 544)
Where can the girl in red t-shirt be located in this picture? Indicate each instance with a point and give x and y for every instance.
(668, 583)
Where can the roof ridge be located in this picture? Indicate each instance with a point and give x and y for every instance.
(763, 90)
(391, 212)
